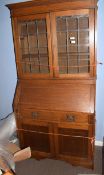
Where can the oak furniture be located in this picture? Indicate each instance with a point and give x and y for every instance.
(55, 48)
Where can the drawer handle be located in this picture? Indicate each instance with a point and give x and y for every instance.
(70, 118)
(34, 115)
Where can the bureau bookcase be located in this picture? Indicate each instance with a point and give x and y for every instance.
(54, 101)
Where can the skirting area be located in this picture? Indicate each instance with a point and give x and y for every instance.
(56, 167)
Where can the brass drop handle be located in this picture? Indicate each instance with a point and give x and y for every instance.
(70, 118)
(34, 115)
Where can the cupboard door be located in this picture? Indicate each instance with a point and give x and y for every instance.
(33, 46)
(73, 43)
(73, 143)
(37, 135)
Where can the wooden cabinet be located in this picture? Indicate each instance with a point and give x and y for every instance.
(56, 64)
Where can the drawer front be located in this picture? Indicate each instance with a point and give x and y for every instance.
(57, 116)
(39, 115)
(73, 117)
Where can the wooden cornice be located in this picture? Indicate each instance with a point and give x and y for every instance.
(43, 6)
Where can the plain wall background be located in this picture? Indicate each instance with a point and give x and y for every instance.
(8, 76)
(100, 73)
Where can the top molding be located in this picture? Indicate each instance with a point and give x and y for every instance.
(43, 6)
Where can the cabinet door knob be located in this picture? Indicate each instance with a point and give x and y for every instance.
(34, 115)
(70, 118)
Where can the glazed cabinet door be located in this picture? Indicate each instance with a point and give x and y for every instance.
(74, 144)
(37, 135)
(33, 46)
(73, 43)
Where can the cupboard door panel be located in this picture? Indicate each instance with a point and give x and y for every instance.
(37, 136)
(73, 142)
(34, 45)
(74, 49)
(37, 141)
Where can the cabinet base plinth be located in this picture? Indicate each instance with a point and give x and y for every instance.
(84, 162)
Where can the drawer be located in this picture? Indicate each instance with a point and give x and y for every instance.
(75, 117)
(39, 115)
(57, 116)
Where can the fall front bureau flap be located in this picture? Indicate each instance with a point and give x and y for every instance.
(56, 95)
